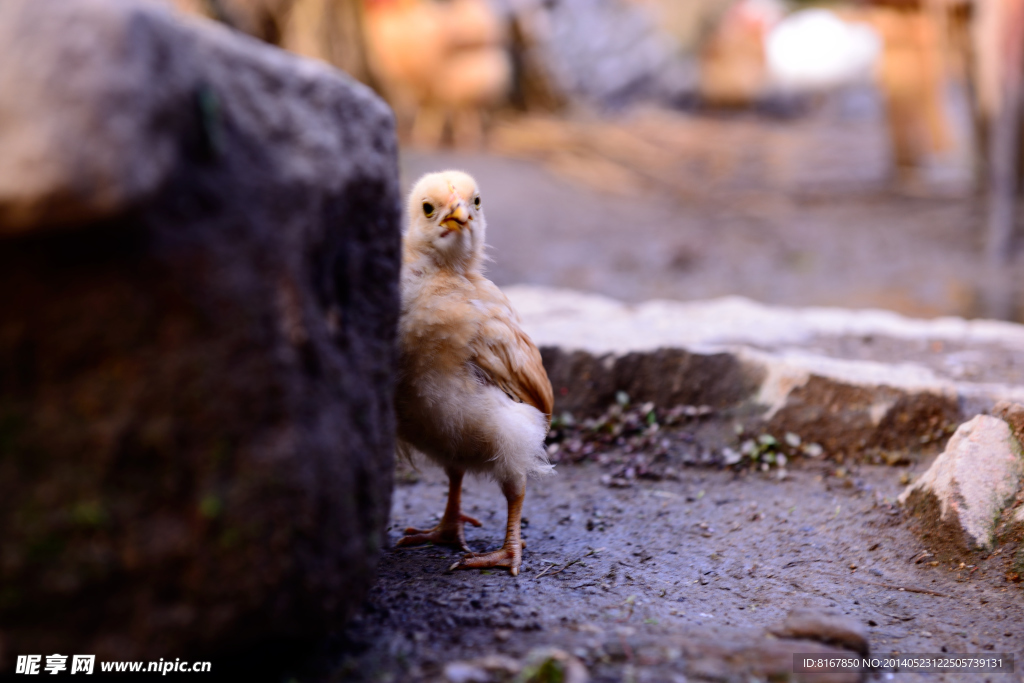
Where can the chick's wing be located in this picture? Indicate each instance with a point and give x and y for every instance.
(506, 355)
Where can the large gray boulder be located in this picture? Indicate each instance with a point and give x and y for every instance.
(199, 251)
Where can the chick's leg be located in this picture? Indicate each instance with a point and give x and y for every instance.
(451, 529)
(510, 554)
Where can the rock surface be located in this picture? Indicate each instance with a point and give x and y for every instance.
(199, 249)
(1013, 414)
(853, 381)
(962, 495)
(825, 626)
(539, 665)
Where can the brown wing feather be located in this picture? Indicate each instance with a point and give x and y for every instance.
(509, 358)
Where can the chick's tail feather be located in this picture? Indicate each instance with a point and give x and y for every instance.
(406, 452)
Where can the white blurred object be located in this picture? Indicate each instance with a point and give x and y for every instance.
(814, 50)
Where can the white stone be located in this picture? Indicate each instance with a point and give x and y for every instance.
(975, 477)
(733, 320)
(778, 340)
(465, 672)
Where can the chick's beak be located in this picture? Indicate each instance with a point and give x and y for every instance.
(457, 218)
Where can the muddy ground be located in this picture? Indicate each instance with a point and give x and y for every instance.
(628, 578)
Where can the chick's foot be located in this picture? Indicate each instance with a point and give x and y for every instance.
(509, 556)
(448, 532)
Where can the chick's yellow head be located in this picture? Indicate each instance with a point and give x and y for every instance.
(445, 219)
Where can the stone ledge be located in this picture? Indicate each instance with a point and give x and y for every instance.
(850, 380)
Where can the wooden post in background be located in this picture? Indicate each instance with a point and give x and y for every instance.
(999, 47)
(1005, 137)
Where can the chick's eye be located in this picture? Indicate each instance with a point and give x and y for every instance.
(428, 209)
(476, 202)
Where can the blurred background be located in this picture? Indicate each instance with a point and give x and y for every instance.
(860, 154)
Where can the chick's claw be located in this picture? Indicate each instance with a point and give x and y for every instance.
(472, 520)
(453, 535)
(451, 530)
(508, 557)
(471, 554)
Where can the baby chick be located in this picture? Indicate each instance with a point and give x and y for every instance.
(472, 394)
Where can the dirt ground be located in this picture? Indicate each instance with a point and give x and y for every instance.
(670, 580)
(616, 576)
